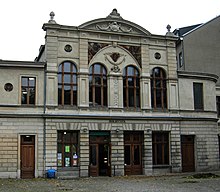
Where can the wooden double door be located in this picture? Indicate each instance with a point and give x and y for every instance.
(133, 146)
(27, 156)
(100, 154)
(187, 149)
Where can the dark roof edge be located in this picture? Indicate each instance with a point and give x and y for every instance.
(13, 63)
(200, 26)
(190, 74)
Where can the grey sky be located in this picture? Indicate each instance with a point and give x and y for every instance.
(21, 31)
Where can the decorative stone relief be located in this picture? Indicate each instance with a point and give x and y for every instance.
(115, 58)
(115, 69)
(115, 27)
(115, 92)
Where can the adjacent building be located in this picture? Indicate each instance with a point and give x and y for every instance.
(198, 50)
(106, 98)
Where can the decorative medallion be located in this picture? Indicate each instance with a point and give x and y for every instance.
(157, 55)
(68, 48)
(115, 69)
(8, 87)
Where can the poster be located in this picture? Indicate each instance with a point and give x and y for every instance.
(59, 155)
(67, 162)
(67, 148)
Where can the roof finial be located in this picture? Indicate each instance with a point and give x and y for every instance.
(114, 14)
(169, 33)
(168, 28)
(52, 14)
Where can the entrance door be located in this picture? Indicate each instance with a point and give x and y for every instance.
(188, 159)
(27, 156)
(99, 155)
(133, 142)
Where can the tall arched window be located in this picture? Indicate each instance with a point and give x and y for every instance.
(97, 85)
(131, 87)
(67, 84)
(158, 89)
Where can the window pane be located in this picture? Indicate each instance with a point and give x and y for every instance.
(32, 96)
(32, 82)
(24, 96)
(60, 94)
(103, 71)
(67, 95)
(97, 80)
(60, 68)
(105, 96)
(59, 148)
(59, 78)
(137, 98)
(92, 155)
(67, 78)
(97, 69)
(74, 79)
(130, 81)
(74, 95)
(67, 67)
(166, 153)
(158, 99)
(127, 155)
(131, 97)
(137, 155)
(67, 137)
(159, 154)
(74, 150)
(74, 68)
(104, 80)
(218, 105)
(98, 96)
(198, 95)
(130, 71)
(24, 81)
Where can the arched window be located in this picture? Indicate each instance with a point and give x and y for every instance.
(131, 87)
(158, 89)
(67, 84)
(97, 85)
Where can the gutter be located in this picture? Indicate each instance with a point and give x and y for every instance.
(44, 122)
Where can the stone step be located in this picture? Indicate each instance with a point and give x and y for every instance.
(67, 174)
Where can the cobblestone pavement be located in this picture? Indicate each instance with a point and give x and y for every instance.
(178, 183)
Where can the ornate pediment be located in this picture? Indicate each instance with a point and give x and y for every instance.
(114, 23)
(115, 27)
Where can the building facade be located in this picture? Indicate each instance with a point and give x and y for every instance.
(105, 99)
(197, 50)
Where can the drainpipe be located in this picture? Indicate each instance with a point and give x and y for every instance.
(44, 122)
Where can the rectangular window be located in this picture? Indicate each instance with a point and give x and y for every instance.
(218, 105)
(198, 96)
(180, 59)
(160, 144)
(28, 90)
(67, 149)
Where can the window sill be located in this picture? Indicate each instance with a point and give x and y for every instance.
(67, 107)
(161, 166)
